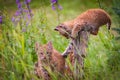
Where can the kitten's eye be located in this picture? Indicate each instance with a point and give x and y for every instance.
(41, 53)
(47, 52)
(60, 26)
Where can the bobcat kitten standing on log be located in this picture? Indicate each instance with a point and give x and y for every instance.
(87, 22)
(91, 20)
(48, 56)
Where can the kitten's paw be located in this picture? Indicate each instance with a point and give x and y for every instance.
(64, 55)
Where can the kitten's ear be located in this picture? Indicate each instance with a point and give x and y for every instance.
(49, 44)
(36, 46)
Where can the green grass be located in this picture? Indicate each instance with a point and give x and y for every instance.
(17, 53)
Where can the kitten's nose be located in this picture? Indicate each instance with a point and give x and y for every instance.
(56, 29)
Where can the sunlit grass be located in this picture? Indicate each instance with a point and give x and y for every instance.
(17, 53)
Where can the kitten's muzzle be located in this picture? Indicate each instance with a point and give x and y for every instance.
(56, 29)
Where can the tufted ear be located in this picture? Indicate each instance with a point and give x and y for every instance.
(49, 45)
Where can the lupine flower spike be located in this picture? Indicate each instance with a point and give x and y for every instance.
(29, 10)
(22, 13)
(55, 5)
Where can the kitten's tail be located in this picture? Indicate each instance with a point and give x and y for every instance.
(109, 23)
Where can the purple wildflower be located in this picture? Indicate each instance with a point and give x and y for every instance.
(1, 19)
(26, 11)
(54, 1)
(29, 16)
(13, 19)
(27, 1)
(28, 7)
(22, 14)
(60, 7)
(55, 5)
(17, 1)
(19, 5)
(17, 13)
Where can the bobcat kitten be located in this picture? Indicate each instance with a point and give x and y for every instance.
(48, 56)
(89, 20)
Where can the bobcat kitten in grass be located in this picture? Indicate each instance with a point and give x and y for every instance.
(89, 20)
(48, 56)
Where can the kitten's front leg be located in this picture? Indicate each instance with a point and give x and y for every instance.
(75, 31)
(68, 50)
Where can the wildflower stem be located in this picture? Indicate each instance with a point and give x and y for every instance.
(29, 10)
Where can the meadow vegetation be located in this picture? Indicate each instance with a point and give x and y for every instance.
(17, 53)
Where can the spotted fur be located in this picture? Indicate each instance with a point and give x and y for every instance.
(48, 56)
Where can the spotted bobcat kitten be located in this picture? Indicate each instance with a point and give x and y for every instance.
(89, 20)
(48, 56)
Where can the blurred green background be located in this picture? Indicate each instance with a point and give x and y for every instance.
(17, 53)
